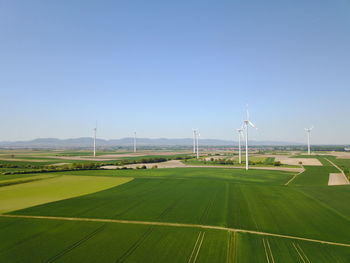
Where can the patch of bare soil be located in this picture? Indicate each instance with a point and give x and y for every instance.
(341, 155)
(297, 161)
(337, 179)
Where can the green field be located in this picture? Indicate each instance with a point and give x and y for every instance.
(175, 215)
(64, 241)
(319, 175)
(51, 188)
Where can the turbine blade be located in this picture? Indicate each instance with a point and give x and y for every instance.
(247, 113)
(251, 124)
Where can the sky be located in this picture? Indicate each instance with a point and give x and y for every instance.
(164, 67)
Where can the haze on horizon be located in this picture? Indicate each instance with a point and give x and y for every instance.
(162, 68)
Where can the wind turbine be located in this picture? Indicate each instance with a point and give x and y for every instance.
(95, 130)
(135, 142)
(308, 131)
(194, 140)
(197, 136)
(240, 134)
(246, 125)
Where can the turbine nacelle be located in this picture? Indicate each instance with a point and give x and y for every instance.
(309, 129)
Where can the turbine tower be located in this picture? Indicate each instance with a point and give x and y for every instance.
(197, 136)
(246, 125)
(308, 132)
(95, 130)
(135, 142)
(240, 134)
(194, 141)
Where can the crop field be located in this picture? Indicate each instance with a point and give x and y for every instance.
(315, 175)
(43, 189)
(68, 241)
(175, 215)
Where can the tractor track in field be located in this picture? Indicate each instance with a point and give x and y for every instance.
(150, 223)
(135, 245)
(76, 244)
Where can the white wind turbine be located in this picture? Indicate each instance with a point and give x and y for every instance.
(308, 132)
(194, 141)
(95, 130)
(135, 142)
(240, 135)
(197, 136)
(246, 125)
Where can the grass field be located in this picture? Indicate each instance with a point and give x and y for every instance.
(315, 175)
(69, 241)
(237, 175)
(52, 188)
(176, 215)
(235, 205)
(343, 164)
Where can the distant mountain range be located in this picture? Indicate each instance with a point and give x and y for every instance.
(85, 142)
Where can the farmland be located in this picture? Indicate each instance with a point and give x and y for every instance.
(174, 215)
(50, 188)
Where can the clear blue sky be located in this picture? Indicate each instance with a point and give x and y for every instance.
(165, 67)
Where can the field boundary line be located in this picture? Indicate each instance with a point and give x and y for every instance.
(121, 221)
(287, 183)
(342, 172)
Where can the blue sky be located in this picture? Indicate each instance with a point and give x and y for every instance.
(165, 67)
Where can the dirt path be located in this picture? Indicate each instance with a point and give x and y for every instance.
(176, 225)
(287, 183)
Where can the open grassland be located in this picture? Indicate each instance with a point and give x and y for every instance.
(50, 188)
